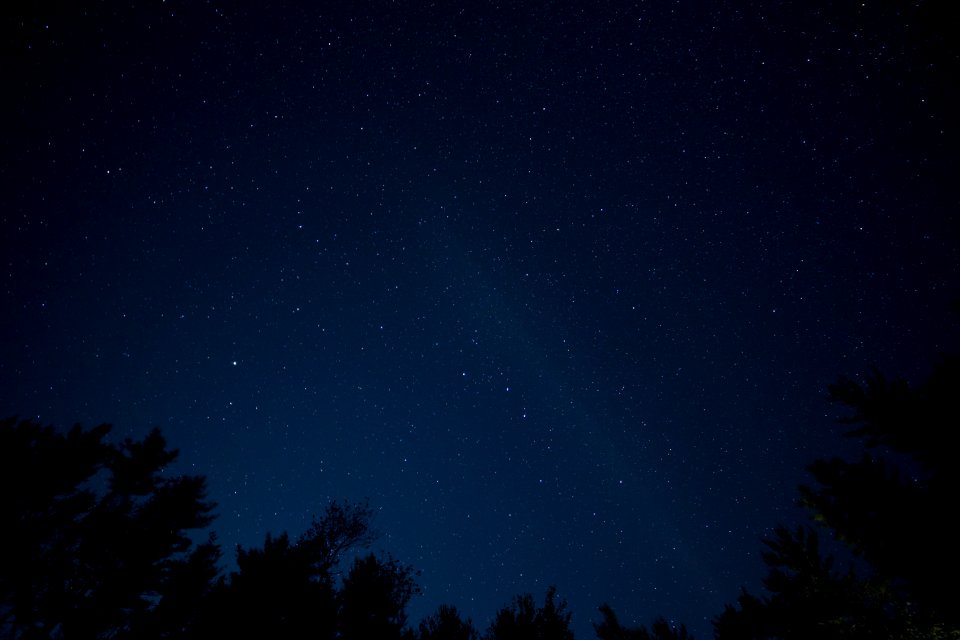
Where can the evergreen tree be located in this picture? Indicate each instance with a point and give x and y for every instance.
(96, 534)
(892, 509)
(446, 624)
(611, 629)
(894, 506)
(523, 620)
(289, 588)
(373, 599)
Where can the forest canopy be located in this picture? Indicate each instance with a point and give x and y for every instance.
(101, 543)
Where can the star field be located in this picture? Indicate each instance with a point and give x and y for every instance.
(559, 287)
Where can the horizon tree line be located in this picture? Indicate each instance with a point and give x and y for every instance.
(98, 545)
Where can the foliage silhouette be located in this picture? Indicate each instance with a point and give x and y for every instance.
(343, 527)
(374, 598)
(523, 620)
(611, 629)
(446, 624)
(97, 541)
(808, 597)
(288, 589)
(273, 594)
(99, 545)
(891, 509)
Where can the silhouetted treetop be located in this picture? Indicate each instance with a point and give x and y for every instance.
(374, 597)
(611, 629)
(97, 538)
(293, 587)
(892, 508)
(522, 619)
(446, 624)
(915, 421)
(342, 527)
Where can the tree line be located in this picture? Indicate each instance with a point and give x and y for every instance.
(98, 544)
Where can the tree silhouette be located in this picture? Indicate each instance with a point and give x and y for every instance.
(807, 597)
(611, 629)
(189, 585)
(288, 588)
(446, 624)
(891, 509)
(523, 620)
(374, 598)
(273, 594)
(96, 537)
(343, 527)
(98, 545)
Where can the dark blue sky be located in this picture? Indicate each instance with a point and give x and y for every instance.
(558, 287)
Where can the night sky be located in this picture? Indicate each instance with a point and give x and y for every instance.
(558, 287)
